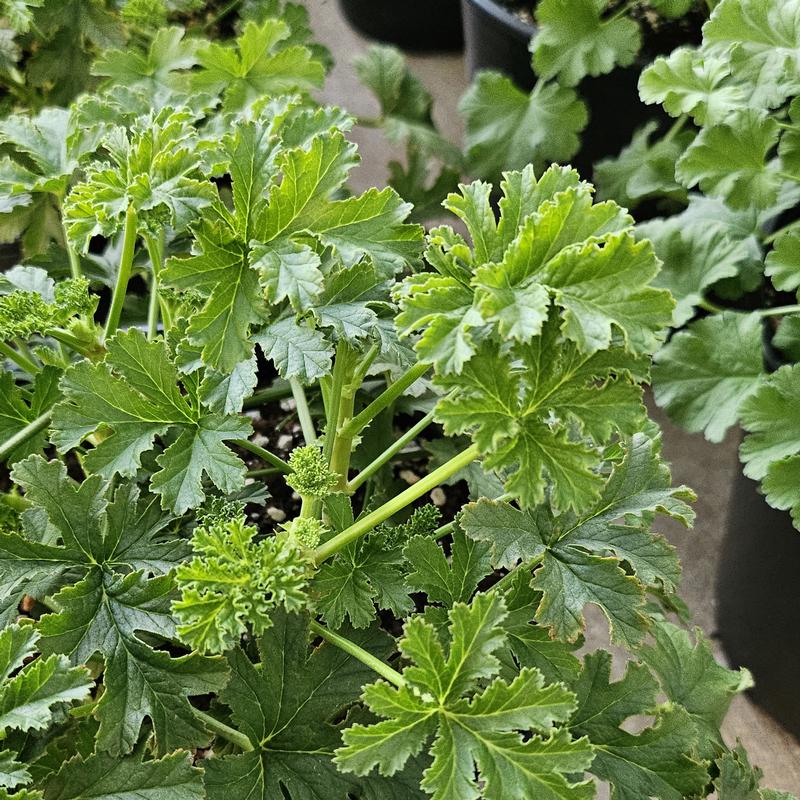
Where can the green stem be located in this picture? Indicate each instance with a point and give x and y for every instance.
(263, 454)
(18, 358)
(268, 395)
(65, 337)
(676, 128)
(306, 423)
(74, 259)
(389, 453)
(779, 311)
(338, 379)
(706, 305)
(223, 730)
(391, 393)
(789, 177)
(777, 234)
(390, 508)
(124, 273)
(351, 648)
(509, 576)
(221, 14)
(155, 249)
(31, 429)
(263, 473)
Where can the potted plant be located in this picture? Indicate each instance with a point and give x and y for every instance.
(731, 260)
(548, 72)
(216, 581)
(412, 25)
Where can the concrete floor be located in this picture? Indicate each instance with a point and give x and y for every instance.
(707, 468)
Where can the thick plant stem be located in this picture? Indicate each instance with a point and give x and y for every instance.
(18, 358)
(267, 395)
(392, 393)
(387, 510)
(31, 429)
(306, 423)
(74, 259)
(124, 273)
(779, 311)
(333, 397)
(389, 453)
(263, 454)
(225, 731)
(375, 664)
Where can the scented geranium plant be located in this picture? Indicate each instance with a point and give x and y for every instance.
(197, 609)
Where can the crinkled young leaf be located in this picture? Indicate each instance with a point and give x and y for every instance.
(739, 780)
(581, 557)
(293, 738)
(690, 81)
(691, 677)
(296, 350)
(136, 393)
(482, 732)
(732, 160)
(771, 448)
(153, 169)
(658, 762)
(574, 39)
(507, 128)
(106, 549)
(258, 64)
(108, 777)
(762, 37)
(708, 370)
(539, 411)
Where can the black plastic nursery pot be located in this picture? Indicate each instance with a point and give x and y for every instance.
(758, 600)
(496, 38)
(425, 25)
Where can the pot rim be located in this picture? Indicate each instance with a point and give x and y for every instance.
(504, 17)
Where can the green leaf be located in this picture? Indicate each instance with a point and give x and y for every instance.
(507, 128)
(643, 169)
(367, 572)
(16, 410)
(707, 371)
(107, 777)
(582, 557)
(447, 581)
(296, 350)
(655, 763)
(482, 732)
(107, 601)
(574, 40)
(692, 82)
(783, 262)
(234, 584)
(762, 37)
(260, 63)
(771, 448)
(153, 169)
(731, 160)
(696, 254)
(538, 410)
(136, 393)
(13, 773)
(293, 738)
(690, 677)
(738, 780)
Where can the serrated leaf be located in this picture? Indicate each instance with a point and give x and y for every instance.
(104, 606)
(507, 128)
(739, 780)
(762, 38)
(17, 411)
(690, 677)
(574, 40)
(655, 763)
(106, 777)
(771, 448)
(136, 393)
(574, 550)
(293, 738)
(783, 263)
(689, 81)
(731, 160)
(708, 370)
(482, 732)
(296, 350)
